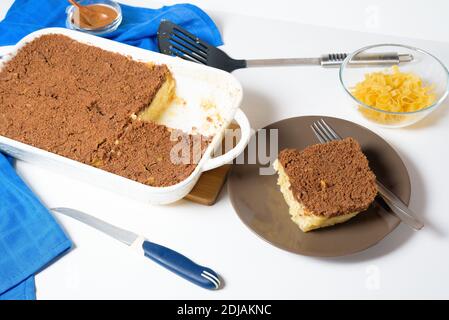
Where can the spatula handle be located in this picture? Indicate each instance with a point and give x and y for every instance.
(283, 62)
(334, 60)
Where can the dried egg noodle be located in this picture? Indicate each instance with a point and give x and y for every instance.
(393, 91)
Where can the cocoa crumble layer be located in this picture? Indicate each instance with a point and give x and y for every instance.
(77, 100)
(153, 154)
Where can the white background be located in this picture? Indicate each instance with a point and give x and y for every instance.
(403, 265)
(411, 18)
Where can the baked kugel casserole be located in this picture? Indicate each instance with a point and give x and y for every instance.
(325, 184)
(93, 106)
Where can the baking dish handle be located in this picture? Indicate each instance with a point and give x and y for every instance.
(245, 128)
(5, 50)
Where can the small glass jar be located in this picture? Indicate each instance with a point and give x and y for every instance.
(104, 30)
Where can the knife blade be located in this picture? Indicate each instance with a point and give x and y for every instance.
(125, 236)
(168, 258)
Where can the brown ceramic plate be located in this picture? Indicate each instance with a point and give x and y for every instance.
(260, 205)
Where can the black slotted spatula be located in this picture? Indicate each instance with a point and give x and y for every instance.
(175, 41)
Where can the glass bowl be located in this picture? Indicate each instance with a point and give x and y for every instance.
(429, 68)
(70, 24)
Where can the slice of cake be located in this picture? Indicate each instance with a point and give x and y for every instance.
(325, 184)
(89, 104)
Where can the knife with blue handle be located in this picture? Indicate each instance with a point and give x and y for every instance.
(168, 258)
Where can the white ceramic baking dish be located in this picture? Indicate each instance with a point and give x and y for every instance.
(207, 101)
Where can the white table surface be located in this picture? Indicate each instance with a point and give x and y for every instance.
(406, 264)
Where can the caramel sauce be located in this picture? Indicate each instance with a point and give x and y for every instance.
(99, 16)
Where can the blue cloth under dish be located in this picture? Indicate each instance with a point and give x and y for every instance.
(138, 28)
(30, 238)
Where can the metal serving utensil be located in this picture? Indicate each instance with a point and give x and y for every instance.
(175, 41)
(325, 133)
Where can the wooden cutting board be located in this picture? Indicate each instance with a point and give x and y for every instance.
(210, 183)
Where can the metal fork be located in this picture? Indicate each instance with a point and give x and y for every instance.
(325, 133)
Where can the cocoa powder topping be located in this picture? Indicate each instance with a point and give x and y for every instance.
(78, 100)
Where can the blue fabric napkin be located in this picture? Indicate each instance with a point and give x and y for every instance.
(138, 28)
(30, 238)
